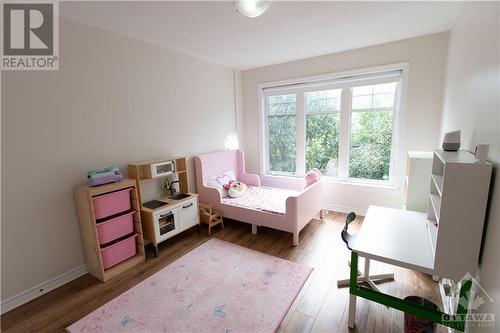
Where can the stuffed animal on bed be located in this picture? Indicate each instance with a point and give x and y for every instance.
(235, 189)
(312, 176)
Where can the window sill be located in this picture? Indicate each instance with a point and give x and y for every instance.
(362, 184)
(350, 183)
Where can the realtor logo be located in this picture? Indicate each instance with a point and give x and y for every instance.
(477, 296)
(473, 302)
(30, 36)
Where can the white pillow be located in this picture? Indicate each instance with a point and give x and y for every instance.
(212, 182)
(219, 181)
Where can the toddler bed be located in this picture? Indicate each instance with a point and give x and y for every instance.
(260, 206)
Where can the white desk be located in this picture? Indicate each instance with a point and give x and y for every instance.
(396, 237)
(400, 238)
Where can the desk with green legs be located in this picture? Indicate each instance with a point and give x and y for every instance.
(400, 238)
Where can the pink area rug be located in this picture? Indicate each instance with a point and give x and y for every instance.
(217, 287)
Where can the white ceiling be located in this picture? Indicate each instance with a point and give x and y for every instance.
(287, 31)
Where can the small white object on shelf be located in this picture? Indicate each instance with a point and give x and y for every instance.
(481, 152)
(451, 141)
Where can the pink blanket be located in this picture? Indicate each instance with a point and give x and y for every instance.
(266, 199)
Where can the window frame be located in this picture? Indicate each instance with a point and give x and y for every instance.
(296, 114)
(394, 139)
(347, 79)
(303, 136)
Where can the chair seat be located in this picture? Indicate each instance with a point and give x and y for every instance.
(210, 217)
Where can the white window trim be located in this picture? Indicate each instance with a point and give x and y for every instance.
(300, 129)
(398, 142)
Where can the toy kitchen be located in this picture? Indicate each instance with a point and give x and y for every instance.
(167, 207)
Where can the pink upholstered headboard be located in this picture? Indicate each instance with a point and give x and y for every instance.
(213, 164)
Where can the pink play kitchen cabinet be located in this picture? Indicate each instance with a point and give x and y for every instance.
(110, 225)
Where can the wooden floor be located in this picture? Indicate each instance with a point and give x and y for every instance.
(320, 306)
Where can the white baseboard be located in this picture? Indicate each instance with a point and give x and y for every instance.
(43, 288)
(344, 209)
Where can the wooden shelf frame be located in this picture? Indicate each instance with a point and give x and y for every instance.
(136, 171)
(180, 166)
(87, 221)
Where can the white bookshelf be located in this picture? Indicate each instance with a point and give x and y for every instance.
(438, 182)
(456, 211)
(417, 181)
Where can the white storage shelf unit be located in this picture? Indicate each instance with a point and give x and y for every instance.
(456, 211)
(418, 179)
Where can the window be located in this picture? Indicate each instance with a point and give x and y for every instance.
(344, 126)
(282, 132)
(322, 130)
(371, 131)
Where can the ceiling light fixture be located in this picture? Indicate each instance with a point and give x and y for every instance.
(251, 8)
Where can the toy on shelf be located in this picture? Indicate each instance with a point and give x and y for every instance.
(104, 176)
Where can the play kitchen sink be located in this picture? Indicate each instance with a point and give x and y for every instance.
(153, 204)
(179, 196)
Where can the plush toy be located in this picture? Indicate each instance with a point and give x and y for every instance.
(235, 189)
(312, 176)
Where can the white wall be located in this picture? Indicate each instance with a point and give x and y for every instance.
(114, 100)
(238, 105)
(427, 58)
(472, 104)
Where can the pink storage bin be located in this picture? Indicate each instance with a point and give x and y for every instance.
(115, 228)
(112, 203)
(118, 252)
